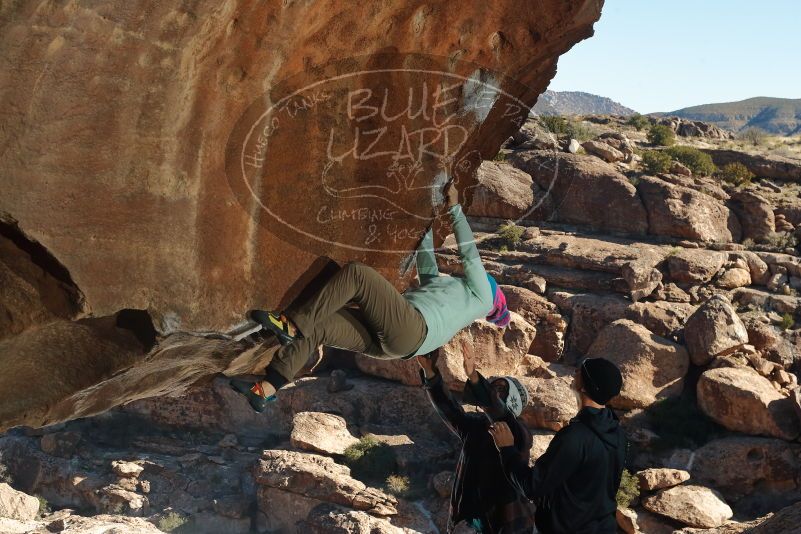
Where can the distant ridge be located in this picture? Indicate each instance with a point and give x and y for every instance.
(578, 103)
(774, 115)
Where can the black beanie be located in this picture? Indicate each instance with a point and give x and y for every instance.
(601, 379)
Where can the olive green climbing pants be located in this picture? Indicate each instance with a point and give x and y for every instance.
(385, 324)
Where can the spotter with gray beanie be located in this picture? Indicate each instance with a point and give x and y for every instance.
(482, 497)
(575, 481)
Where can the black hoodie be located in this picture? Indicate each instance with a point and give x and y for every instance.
(574, 483)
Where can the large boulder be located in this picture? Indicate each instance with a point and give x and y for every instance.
(695, 506)
(503, 191)
(321, 432)
(202, 217)
(552, 402)
(549, 340)
(496, 351)
(572, 181)
(677, 211)
(742, 400)
(755, 214)
(661, 317)
(292, 484)
(739, 466)
(713, 330)
(604, 151)
(694, 266)
(653, 367)
(660, 478)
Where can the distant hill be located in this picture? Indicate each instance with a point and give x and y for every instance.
(774, 115)
(578, 103)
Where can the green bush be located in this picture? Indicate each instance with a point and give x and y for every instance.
(736, 174)
(370, 460)
(787, 321)
(680, 424)
(44, 506)
(639, 121)
(171, 521)
(629, 491)
(661, 135)
(579, 131)
(698, 162)
(755, 136)
(500, 156)
(511, 234)
(656, 161)
(556, 124)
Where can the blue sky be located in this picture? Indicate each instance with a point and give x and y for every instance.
(665, 55)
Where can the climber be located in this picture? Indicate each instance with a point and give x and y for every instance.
(575, 482)
(481, 494)
(386, 324)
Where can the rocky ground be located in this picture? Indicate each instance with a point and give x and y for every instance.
(687, 282)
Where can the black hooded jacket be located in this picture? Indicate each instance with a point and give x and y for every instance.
(480, 490)
(574, 483)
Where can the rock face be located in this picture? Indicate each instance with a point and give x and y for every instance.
(17, 505)
(695, 506)
(495, 351)
(293, 484)
(713, 330)
(189, 229)
(742, 400)
(739, 466)
(685, 213)
(572, 182)
(653, 368)
(502, 191)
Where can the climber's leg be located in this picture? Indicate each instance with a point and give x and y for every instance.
(344, 329)
(397, 325)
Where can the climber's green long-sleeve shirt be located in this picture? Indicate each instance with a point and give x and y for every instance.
(450, 303)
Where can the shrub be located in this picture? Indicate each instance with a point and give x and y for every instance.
(556, 124)
(397, 485)
(629, 490)
(370, 459)
(511, 234)
(656, 161)
(755, 136)
(782, 240)
(171, 521)
(579, 131)
(736, 174)
(661, 135)
(680, 424)
(697, 161)
(787, 321)
(500, 156)
(638, 121)
(44, 506)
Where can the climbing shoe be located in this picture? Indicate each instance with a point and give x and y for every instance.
(277, 323)
(252, 392)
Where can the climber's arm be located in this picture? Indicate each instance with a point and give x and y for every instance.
(426, 261)
(468, 253)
